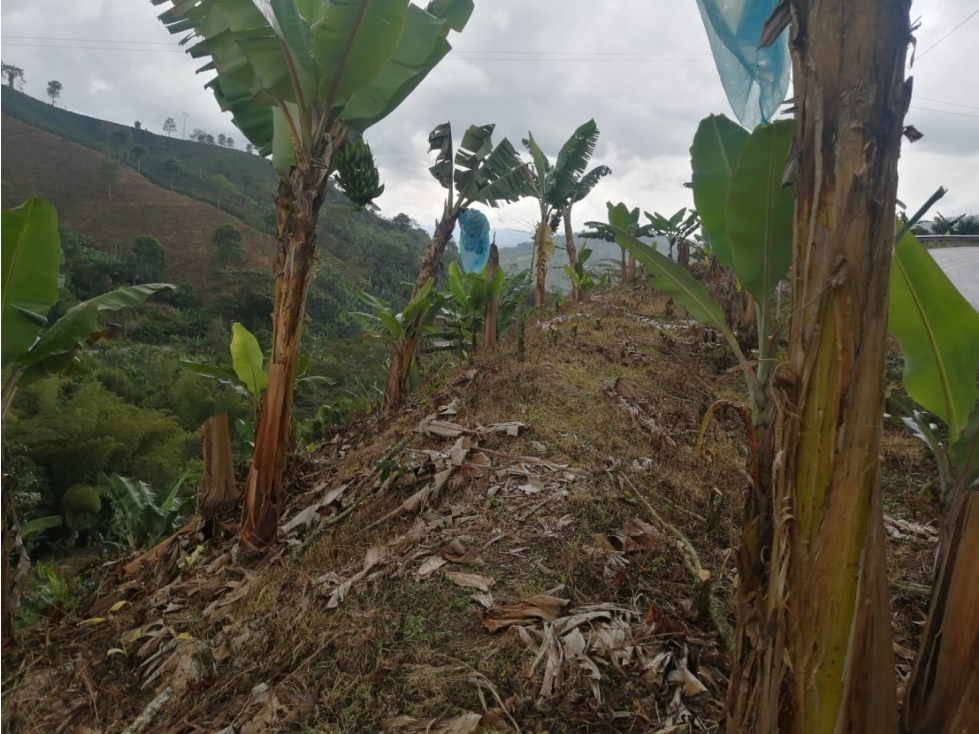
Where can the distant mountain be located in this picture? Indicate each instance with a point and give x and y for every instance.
(605, 258)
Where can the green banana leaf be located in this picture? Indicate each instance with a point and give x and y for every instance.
(81, 325)
(349, 60)
(717, 147)
(759, 211)
(31, 255)
(671, 278)
(938, 331)
(247, 359)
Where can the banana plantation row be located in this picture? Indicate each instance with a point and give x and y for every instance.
(810, 199)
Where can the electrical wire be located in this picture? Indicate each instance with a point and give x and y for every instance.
(944, 112)
(972, 15)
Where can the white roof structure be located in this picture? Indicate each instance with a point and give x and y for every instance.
(961, 265)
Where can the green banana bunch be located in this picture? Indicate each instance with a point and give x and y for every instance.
(357, 175)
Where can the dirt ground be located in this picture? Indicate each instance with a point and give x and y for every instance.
(535, 544)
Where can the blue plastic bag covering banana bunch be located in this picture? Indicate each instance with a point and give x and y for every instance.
(474, 241)
(755, 79)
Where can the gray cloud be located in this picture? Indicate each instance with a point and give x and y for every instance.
(641, 69)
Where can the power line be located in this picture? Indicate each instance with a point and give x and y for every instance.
(98, 48)
(944, 112)
(941, 101)
(488, 52)
(972, 15)
(87, 40)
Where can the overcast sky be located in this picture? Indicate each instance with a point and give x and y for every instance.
(641, 68)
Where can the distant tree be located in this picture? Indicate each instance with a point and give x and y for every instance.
(247, 179)
(149, 260)
(138, 152)
(170, 126)
(961, 224)
(14, 74)
(108, 172)
(249, 148)
(199, 135)
(174, 169)
(227, 240)
(221, 139)
(229, 142)
(138, 125)
(209, 139)
(54, 90)
(403, 221)
(223, 186)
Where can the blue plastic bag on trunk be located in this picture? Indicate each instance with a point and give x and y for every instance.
(755, 79)
(474, 240)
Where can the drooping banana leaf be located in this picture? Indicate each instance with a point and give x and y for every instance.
(572, 160)
(676, 281)
(938, 331)
(349, 60)
(81, 325)
(31, 257)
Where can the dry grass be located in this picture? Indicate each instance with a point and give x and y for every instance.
(359, 664)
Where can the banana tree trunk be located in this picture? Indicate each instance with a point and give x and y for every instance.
(540, 291)
(491, 321)
(298, 205)
(820, 658)
(572, 253)
(404, 350)
(630, 271)
(943, 692)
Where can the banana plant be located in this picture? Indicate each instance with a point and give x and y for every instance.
(557, 188)
(678, 229)
(399, 329)
(33, 348)
(463, 311)
(602, 231)
(248, 375)
(938, 332)
(582, 279)
(478, 172)
(301, 79)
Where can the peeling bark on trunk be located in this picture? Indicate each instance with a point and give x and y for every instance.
(404, 351)
(630, 271)
(683, 253)
(540, 291)
(943, 692)
(298, 205)
(816, 654)
(491, 321)
(572, 253)
(218, 490)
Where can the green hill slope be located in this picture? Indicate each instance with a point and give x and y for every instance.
(180, 191)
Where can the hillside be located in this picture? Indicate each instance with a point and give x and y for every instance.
(605, 259)
(499, 555)
(70, 158)
(73, 178)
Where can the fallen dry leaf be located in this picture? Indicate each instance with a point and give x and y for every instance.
(429, 566)
(471, 580)
(462, 724)
(545, 608)
(456, 552)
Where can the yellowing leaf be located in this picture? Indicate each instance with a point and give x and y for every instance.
(91, 622)
(119, 605)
